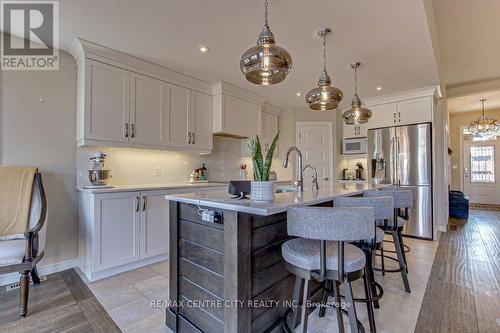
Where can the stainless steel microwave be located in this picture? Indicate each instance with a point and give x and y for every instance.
(354, 146)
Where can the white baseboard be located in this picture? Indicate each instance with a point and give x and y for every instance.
(42, 270)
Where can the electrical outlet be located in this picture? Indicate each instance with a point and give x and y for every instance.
(157, 171)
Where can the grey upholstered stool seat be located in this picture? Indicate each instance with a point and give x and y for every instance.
(305, 253)
(322, 253)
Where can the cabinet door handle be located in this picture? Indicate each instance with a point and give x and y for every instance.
(399, 117)
(189, 137)
(126, 130)
(143, 203)
(194, 138)
(137, 203)
(132, 127)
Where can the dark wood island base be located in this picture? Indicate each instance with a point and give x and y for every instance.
(227, 277)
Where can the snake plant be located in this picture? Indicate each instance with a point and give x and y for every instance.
(261, 167)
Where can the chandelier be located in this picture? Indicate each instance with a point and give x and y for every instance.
(484, 125)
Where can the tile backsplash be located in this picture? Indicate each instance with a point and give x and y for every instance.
(136, 166)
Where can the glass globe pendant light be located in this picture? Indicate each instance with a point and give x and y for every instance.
(324, 97)
(484, 125)
(266, 63)
(356, 114)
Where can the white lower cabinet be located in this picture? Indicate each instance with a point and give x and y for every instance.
(154, 224)
(122, 231)
(117, 229)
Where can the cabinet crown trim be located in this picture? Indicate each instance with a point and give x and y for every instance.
(433, 90)
(269, 108)
(221, 87)
(81, 48)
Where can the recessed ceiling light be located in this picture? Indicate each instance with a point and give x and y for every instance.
(378, 88)
(298, 94)
(203, 49)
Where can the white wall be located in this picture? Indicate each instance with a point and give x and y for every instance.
(37, 127)
(440, 165)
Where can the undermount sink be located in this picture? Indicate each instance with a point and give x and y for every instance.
(286, 189)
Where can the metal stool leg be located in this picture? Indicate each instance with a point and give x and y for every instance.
(324, 299)
(400, 236)
(382, 258)
(399, 251)
(369, 305)
(340, 318)
(351, 309)
(296, 301)
(371, 277)
(305, 297)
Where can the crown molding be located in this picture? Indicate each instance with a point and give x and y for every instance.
(82, 49)
(433, 90)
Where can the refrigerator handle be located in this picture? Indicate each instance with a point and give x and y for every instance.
(393, 161)
(398, 150)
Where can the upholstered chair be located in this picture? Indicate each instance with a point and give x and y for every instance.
(23, 213)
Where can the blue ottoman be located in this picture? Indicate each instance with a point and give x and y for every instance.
(459, 205)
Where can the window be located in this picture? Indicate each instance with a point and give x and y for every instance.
(482, 164)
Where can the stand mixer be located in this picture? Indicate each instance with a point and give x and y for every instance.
(97, 175)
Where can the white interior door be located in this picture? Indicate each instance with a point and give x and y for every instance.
(314, 139)
(481, 164)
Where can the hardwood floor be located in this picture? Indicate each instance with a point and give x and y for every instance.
(62, 303)
(463, 292)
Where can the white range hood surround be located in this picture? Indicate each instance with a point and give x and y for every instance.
(237, 112)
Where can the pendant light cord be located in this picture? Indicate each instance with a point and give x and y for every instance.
(355, 79)
(324, 52)
(266, 12)
(482, 104)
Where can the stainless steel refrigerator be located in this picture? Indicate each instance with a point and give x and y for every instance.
(402, 156)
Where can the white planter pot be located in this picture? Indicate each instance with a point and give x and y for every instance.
(262, 191)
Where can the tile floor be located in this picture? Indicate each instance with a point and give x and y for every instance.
(127, 297)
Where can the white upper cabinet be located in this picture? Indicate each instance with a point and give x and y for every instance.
(236, 112)
(148, 112)
(405, 108)
(200, 119)
(124, 101)
(383, 115)
(355, 131)
(106, 107)
(190, 119)
(414, 111)
(178, 120)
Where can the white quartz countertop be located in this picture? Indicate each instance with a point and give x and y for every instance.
(222, 200)
(149, 187)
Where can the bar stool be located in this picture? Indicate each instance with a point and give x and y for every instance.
(383, 211)
(402, 203)
(322, 253)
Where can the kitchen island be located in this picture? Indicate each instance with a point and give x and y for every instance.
(228, 275)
